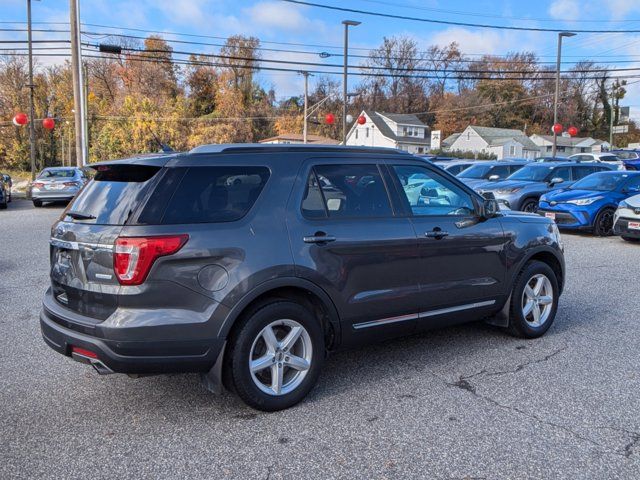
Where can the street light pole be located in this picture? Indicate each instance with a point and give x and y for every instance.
(557, 93)
(78, 91)
(347, 24)
(32, 115)
(306, 105)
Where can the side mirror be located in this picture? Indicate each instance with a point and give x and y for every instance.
(556, 181)
(490, 208)
(494, 178)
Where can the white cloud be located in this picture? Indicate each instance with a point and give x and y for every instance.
(621, 8)
(281, 16)
(566, 9)
(477, 41)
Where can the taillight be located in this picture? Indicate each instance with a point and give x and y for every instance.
(134, 256)
(71, 184)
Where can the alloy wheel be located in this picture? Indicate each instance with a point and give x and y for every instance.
(280, 357)
(537, 300)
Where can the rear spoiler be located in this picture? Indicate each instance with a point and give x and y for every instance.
(150, 160)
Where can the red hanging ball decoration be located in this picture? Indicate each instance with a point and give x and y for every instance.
(330, 118)
(362, 119)
(573, 131)
(557, 128)
(20, 119)
(48, 123)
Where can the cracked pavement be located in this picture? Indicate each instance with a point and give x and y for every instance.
(459, 403)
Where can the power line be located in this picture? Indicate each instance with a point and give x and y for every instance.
(449, 22)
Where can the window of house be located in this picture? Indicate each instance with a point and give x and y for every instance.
(367, 132)
(512, 150)
(404, 131)
(356, 133)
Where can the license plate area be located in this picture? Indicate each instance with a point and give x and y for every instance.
(633, 225)
(550, 215)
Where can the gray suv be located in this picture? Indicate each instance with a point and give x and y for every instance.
(523, 189)
(249, 264)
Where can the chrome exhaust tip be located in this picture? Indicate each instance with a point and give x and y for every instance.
(97, 364)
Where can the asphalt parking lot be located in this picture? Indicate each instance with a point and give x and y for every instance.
(461, 403)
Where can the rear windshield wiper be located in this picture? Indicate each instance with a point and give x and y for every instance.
(80, 215)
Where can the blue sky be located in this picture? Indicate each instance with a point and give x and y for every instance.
(276, 21)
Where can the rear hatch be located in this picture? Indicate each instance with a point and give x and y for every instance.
(82, 242)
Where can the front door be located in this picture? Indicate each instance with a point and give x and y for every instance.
(346, 238)
(462, 266)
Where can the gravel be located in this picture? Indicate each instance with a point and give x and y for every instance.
(459, 403)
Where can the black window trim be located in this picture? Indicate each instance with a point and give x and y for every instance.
(322, 162)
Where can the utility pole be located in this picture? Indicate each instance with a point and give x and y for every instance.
(78, 92)
(32, 114)
(611, 119)
(306, 105)
(347, 24)
(557, 92)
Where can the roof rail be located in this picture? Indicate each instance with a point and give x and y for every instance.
(276, 147)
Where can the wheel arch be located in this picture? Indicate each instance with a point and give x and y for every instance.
(548, 256)
(292, 288)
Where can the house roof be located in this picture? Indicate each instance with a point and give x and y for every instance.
(403, 118)
(496, 137)
(570, 141)
(298, 137)
(385, 130)
(450, 139)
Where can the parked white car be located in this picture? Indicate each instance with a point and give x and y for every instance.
(627, 219)
(604, 157)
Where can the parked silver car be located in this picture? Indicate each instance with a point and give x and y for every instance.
(56, 184)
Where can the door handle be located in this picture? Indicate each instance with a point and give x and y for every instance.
(437, 234)
(317, 238)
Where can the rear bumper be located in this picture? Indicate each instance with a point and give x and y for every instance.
(52, 196)
(62, 333)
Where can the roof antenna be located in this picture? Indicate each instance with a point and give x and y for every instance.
(163, 147)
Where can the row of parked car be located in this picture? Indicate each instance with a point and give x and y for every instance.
(5, 190)
(598, 194)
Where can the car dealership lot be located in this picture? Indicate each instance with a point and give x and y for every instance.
(465, 402)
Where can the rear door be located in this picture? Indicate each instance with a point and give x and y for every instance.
(462, 257)
(81, 246)
(346, 238)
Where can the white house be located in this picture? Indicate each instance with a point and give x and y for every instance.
(393, 130)
(568, 145)
(502, 142)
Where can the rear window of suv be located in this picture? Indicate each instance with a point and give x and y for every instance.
(114, 193)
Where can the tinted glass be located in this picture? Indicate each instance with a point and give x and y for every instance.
(353, 191)
(52, 173)
(429, 194)
(476, 171)
(313, 205)
(604, 182)
(582, 172)
(562, 172)
(627, 155)
(532, 173)
(215, 194)
(633, 184)
(113, 194)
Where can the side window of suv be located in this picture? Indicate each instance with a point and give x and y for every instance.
(346, 191)
(429, 194)
(581, 172)
(562, 172)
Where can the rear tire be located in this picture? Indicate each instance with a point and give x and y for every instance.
(530, 205)
(3, 206)
(37, 203)
(534, 300)
(603, 225)
(259, 359)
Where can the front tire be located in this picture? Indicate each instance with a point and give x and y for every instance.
(534, 300)
(603, 225)
(37, 203)
(530, 205)
(276, 355)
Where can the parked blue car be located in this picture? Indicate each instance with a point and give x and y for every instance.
(523, 189)
(492, 171)
(590, 203)
(630, 158)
